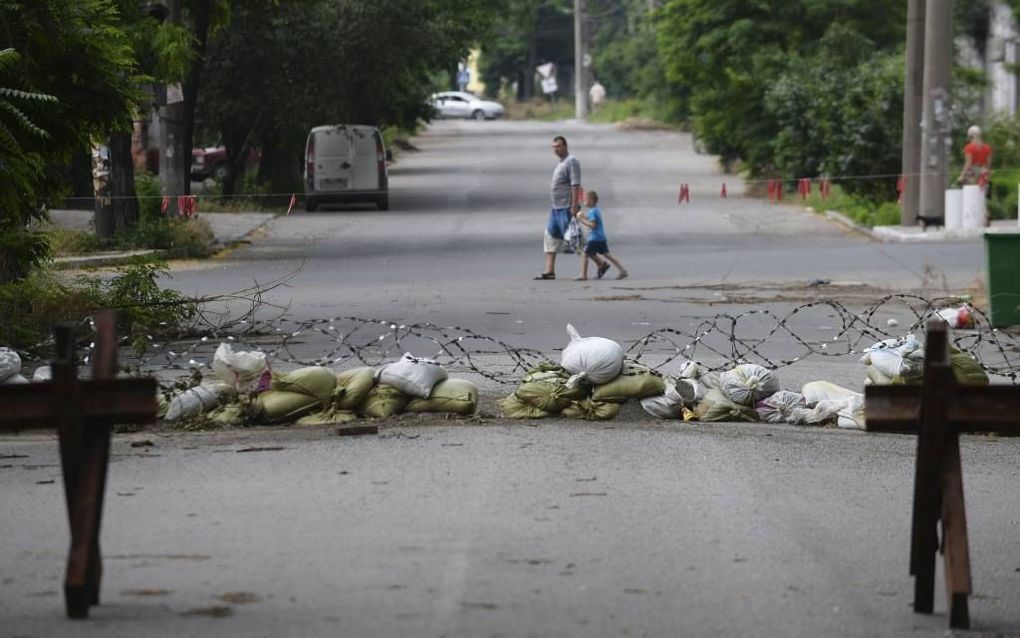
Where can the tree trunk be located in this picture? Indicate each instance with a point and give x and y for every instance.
(200, 16)
(122, 182)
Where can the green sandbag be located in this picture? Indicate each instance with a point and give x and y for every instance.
(546, 367)
(966, 369)
(591, 410)
(716, 406)
(282, 405)
(327, 417)
(456, 396)
(634, 382)
(352, 386)
(383, 401)
(552, 395)
(315, 381)
(513, 408)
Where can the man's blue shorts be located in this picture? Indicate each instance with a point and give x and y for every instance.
(559, 219)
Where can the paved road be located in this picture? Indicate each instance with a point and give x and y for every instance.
(506, 530)
(463, 240)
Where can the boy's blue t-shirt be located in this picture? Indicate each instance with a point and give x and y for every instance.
(599, 232)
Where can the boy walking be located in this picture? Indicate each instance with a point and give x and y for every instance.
(597, 246)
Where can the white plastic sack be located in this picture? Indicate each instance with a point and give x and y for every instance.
(781, 407)
(748, 383)
(956, 317)
(10, 364)
(42, 373)
(670, 404)
(815, 391)
(903, 357)
(197, 400)
(14, 379)
(240, 370)
(412, 375)
(699, 378)
(593, 359)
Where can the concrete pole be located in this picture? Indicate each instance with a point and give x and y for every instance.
(913, 101)
(174, 168)
(935, 124)
(580, 86)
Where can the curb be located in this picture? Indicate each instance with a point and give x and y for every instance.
(102, 259)
(849, 224)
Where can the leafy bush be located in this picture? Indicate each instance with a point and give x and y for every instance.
(177, 237)
(68, 241)
(149, 195)
(31, 306)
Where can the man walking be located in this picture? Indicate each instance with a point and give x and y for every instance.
(566, 201)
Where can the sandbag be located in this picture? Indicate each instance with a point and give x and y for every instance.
(352, 386)
(900, 357)
(327, 417)
(815, 391)
(231, 415)
(967, 369)
(592, 359)
(551, 395)
(781, 407)
(42, 373)
(383, 401)
(14, 379)
(195, 401)
(699, 377)
(241, 370)
(716, 406)
(748, 383)
(513, 408)
(671, 403)
(283, 405)
(635, 381)
(412, 375)
(10, 364)
(454, 396)
(316, 381)
(590, 410)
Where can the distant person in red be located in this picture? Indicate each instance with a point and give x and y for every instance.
(977, 165)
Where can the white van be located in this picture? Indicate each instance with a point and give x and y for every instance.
(346, 163)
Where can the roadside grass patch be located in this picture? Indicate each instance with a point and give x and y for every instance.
(858, 209)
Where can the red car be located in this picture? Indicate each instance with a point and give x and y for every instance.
(212, 162)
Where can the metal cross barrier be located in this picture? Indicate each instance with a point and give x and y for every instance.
(84, 413)
(938, 411)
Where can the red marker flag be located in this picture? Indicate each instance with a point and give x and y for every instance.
(722, 193)
(804, 187)
(293, 200)
(901, 184)
(164, 205)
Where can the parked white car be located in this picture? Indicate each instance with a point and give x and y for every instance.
(464, 104)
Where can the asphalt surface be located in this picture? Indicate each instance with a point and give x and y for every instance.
(483, 527)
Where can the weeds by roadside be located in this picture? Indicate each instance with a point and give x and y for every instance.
(858, 209)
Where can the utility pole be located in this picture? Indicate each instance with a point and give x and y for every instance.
(174, 168)
(935, 125)
(580, 85)
(913, 103)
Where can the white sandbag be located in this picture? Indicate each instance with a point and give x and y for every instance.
(412, 375)
(815, 391)
(10, 363)
(14, 379)
(670, 404)
(240, 370)
(700, 379)
(901, 357)
(592, 359)
(781, 407)
(42, 373)
(201, 398)
(822, 412)
(748, 383)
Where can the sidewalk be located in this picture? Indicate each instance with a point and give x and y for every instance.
(917, 234)
(227, 228)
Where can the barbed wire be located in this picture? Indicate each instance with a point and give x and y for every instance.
(767, 337)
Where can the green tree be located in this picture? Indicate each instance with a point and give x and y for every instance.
(73, 51)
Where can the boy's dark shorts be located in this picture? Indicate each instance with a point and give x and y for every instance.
(596, 248)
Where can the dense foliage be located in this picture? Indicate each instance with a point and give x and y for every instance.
(66, 76)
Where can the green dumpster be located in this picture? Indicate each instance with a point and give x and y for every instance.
(1004, 278)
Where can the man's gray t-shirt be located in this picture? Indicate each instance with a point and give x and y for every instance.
(566, 174)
